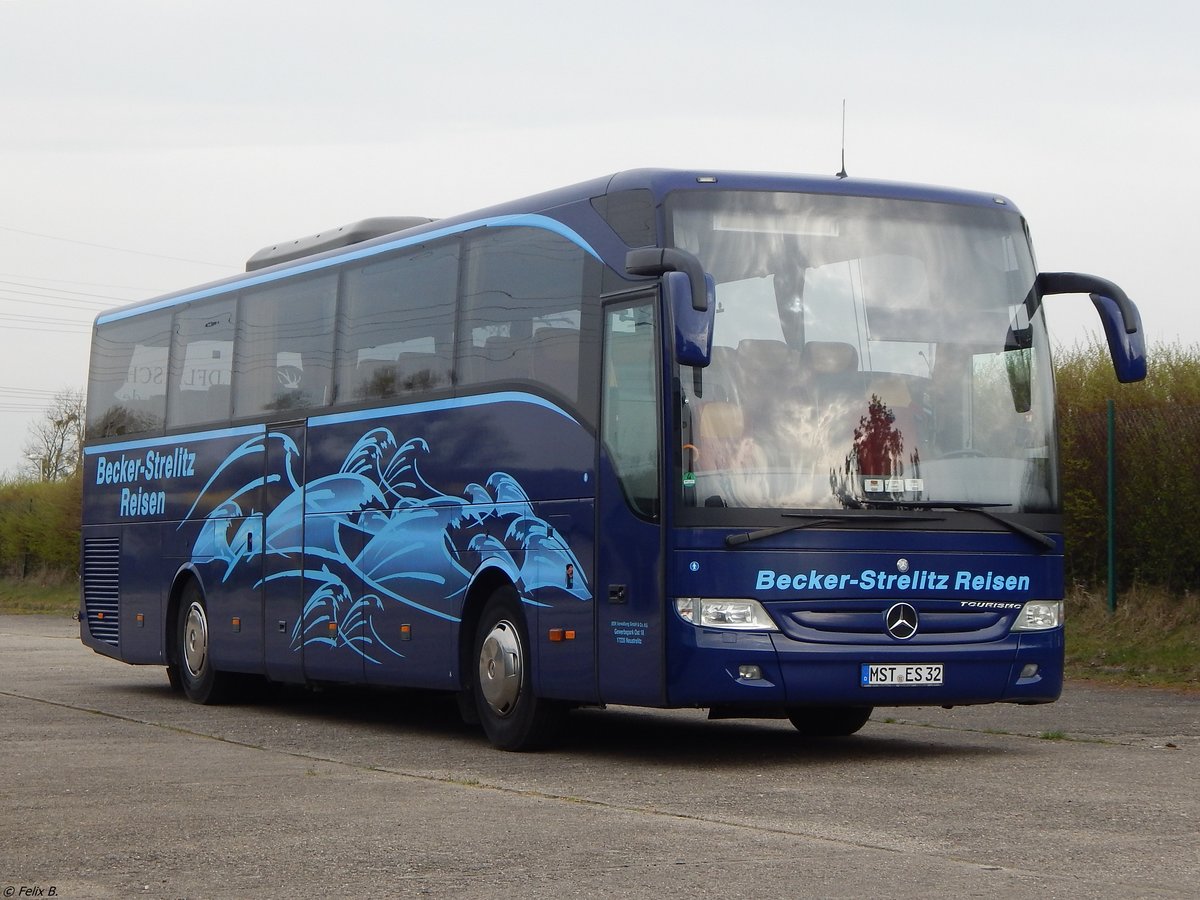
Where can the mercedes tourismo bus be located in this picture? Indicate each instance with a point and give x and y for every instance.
(766, 445)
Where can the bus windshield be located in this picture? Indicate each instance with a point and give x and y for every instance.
(866, 351)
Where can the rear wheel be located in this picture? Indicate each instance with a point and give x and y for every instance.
(829, 721)
(199, 680)
(513, 717)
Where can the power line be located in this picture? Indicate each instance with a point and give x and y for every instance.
(53, 237)
(30, 400)
(43, 392)
(119, 287)
(80, 328)
(16, 286)
(40, 320)
(18, 405)
(88, 311)
(47, 302)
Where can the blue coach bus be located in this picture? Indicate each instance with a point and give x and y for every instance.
(767, 445)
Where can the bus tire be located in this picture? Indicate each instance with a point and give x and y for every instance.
(829, 721)
(201, 682)
(512, 715)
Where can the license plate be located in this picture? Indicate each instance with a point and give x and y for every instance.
(906, 675)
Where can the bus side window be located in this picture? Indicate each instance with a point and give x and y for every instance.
(521, 310)
(201, 363)
(396, 334)
(285, 347)
(630, 423)
(127, 383)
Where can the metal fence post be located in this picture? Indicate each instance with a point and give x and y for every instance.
(1112, 507)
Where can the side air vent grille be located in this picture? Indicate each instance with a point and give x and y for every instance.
(101, 587)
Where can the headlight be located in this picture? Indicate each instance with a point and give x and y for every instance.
(745, 615)
(1039, 615)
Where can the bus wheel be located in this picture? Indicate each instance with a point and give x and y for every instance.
(829, 721)
(513, 717)
(199, 680)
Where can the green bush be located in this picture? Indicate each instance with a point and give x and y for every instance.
(1157, 470)
(39, 527)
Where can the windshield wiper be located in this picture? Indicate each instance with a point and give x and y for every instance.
(984, 509)
(816, 520)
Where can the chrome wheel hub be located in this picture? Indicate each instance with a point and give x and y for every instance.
(500, 668)
(195, 640)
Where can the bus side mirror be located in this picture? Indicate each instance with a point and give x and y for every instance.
(693, 327)
(690, 294)
(1122, 321)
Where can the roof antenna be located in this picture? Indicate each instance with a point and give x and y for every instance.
(842, 172)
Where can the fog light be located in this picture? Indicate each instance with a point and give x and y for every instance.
(1029, 670)
(749, 673)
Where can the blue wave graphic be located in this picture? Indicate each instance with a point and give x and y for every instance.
(378, 524)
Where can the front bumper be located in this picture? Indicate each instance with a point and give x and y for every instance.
(708, 665)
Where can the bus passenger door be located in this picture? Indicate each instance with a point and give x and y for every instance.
(283, 552)
(629, 556)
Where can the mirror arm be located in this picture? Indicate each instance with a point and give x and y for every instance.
(660, 260)
(1076, 283)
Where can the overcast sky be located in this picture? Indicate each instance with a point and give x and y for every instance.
(148, 145)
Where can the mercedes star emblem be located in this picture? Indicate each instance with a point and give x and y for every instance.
(901, 621)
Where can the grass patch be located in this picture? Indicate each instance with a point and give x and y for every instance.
(1153, 638)
(49, 594)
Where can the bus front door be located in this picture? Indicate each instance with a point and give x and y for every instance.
(629, 568)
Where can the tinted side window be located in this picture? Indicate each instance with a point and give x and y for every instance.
(521, 310)
(629, 425)
(201, 363)
(397, 325)
(285, 346)
(127, 383)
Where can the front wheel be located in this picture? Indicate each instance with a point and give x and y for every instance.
(201, 683)
(512, 715)
(829, 721)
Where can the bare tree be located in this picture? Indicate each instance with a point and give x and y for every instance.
(53, 450)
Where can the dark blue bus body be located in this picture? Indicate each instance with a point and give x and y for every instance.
(846, 499)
